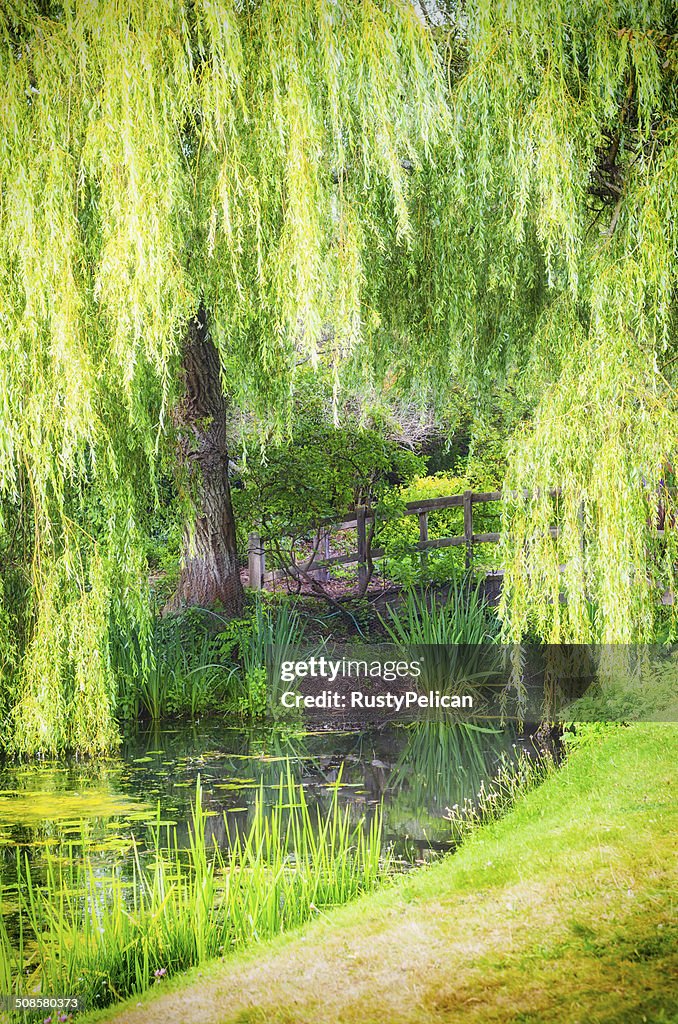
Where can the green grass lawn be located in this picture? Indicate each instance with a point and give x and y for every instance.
(560, 912)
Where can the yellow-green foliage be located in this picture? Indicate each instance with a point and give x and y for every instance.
(495, 193)
(547, 235)
(599, 94)
(604, 435)
(154, 156)
(398, 535)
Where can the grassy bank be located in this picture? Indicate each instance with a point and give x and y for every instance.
(559, 912)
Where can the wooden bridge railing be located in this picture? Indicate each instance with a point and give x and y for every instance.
(365, 554)
(359, 522)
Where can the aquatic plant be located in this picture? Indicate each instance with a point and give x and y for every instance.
(260, 641)
(171, 670)
(513, 779)
(451, 636)
(106, 934)
(424, 617)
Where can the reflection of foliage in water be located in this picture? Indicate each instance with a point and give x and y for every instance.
(116, 798)
(443, 763)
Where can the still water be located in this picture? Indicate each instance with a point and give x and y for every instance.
(415, 772)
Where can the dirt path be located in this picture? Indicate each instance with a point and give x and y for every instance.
(559, 913)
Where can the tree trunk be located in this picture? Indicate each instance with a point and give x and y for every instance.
(210, 573)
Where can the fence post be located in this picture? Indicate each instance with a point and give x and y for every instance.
(255, 561)
(423, 536)
(468, 526)
(362, 545)
(324, 574)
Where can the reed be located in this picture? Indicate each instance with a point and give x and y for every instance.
(512, 780)
(426, 618)
(454, 639)
(171, 671)
(109, 933)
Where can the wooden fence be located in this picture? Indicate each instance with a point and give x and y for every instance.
(321, 560)
(363, 555)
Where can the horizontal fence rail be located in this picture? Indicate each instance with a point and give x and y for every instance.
(359, 521)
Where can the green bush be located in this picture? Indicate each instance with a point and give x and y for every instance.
(320, 473)
(398, 533)
(183, 668)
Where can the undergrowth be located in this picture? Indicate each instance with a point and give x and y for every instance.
(109, 933)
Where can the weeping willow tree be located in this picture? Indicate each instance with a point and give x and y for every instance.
(546, 241)
(197, 197)
(184, 193)
(589, 156)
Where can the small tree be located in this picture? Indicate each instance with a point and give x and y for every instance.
(317, 477)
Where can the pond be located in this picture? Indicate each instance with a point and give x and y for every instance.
(417, 772)
(401, 779)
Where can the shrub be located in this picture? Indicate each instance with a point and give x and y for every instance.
(398, 533)
(320, 473)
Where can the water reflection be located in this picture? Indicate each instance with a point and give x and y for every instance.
(417, 771)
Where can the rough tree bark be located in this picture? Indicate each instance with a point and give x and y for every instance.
(210, 572)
